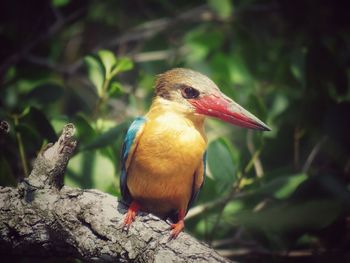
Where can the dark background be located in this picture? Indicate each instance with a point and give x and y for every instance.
(279, 196)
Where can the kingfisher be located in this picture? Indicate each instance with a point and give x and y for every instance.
(163, 158)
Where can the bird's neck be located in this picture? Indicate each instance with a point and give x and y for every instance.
(162, 106)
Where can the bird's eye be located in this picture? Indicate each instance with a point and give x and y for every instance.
(189, 92)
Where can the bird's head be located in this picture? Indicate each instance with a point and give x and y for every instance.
(195, 93)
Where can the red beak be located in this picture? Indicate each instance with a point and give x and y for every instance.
(220, 106)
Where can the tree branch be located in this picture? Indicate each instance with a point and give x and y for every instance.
(43, 218)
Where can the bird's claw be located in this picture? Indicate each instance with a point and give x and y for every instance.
(176, 229)
(130, 216)
(125, 227)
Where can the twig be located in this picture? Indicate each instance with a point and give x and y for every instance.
(315, 150)
(298, 134)
(157, 55)
(233, 192)
(259, 171)
(21, 148)
(199, 209)
(149, 29)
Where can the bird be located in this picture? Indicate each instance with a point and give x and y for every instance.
(163, 159)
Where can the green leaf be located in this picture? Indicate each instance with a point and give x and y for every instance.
(202, 41)
(208, 193)
(239, 72)
(95, 72)
(107, 138)
(24, 112)
(234, 207)
(279, 105)
(58, 122)
(37, 119)
(115, 89)
(10, 74)
(85, 132)
(283, 186)
(46, 93)
(205, 225)
(60, 3)
(313, 214)
(222, 7)
(256, 106)
(109, 60)
(289, 186)
(91, 169)
(108, 179)
(123, 64)
(31, 139)
(221, 165)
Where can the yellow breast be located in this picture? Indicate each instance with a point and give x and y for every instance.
(169, 151)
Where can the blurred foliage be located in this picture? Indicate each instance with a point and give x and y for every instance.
(276, 196)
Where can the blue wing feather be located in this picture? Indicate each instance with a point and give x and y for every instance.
(128, 143)
(195, 193)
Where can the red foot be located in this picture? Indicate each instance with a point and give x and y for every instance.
(131, 214)
(179, 226)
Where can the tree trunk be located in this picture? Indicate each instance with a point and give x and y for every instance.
(43, 218)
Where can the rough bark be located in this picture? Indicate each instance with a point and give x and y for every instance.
(43, 218)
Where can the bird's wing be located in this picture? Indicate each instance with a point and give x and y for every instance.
(198, 181)
(130, 142)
